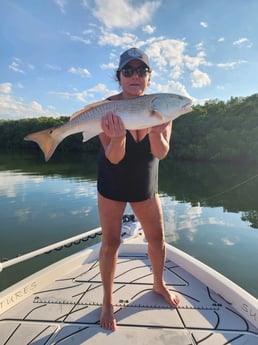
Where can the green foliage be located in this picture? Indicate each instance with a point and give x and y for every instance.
(13, 133)
(216, 131)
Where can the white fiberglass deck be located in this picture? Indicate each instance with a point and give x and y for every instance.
(68, 310)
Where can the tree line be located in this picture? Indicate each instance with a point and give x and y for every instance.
(215, 131)
(219, 131)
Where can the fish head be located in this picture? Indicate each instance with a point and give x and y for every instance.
(169, 106)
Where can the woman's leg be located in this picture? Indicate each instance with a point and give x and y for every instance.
(149, 213)
(111, 214)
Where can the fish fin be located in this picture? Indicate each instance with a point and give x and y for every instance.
(157, 114)
(88, 135)
(88, 107)
(45, 140)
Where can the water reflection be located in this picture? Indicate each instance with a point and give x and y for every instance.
(74, 166)
(229, 186)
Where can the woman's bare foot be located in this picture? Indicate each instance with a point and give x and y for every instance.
(107, 320)
(169, 297)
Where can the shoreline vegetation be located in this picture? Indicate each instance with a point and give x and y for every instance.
(215, 131)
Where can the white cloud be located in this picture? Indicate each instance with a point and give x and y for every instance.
(122, 40)
(204, 24)
(221, 39)
(87, 96)
(83, 72)
(110, 65)
(122, 14)
(172, 87)
(18, 66)
(5, 88)
(227, 65)
(148, 29)
(61, 4)
(79, 96)
(199, 79)
(243, 42)
(14, 108)
(99, 88)
(36, 107)
(88, 31)
(230, 65)
(199, 46)
(76, 38)
(100, 91)
(15, 66)
(167, 53)
(192, 62)
(240, 41)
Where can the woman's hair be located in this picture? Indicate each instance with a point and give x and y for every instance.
(117, 75)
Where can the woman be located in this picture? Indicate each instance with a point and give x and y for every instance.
(128, 172)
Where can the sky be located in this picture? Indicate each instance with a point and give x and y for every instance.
(57, 56)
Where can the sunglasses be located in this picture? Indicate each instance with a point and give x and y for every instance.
(129, 71)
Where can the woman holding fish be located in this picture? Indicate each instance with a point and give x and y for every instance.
(128, 172)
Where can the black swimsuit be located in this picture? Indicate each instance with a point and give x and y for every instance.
(135, 178)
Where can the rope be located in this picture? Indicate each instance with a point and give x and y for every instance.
(69, 245)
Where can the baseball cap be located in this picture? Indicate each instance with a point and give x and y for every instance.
(133, 54)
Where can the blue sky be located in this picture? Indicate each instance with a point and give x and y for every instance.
(59, 55)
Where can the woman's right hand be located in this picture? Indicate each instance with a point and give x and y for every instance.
(114, 137)
(112, 125)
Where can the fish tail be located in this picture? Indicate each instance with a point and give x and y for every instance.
(46, 141)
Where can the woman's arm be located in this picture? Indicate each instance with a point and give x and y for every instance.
(159, 139)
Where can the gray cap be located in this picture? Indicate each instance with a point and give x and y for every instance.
(133, 54)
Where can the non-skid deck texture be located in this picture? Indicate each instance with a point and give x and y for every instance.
(68, 311)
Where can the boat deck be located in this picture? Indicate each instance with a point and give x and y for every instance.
(68, 310)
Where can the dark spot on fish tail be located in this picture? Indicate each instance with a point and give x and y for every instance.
(52, 130)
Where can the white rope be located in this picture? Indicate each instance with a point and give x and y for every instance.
(49, 248)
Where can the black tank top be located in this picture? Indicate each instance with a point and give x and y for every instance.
(134, 178)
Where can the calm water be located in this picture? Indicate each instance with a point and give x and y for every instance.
(210, 211)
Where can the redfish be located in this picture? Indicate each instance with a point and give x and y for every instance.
(136, 113)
